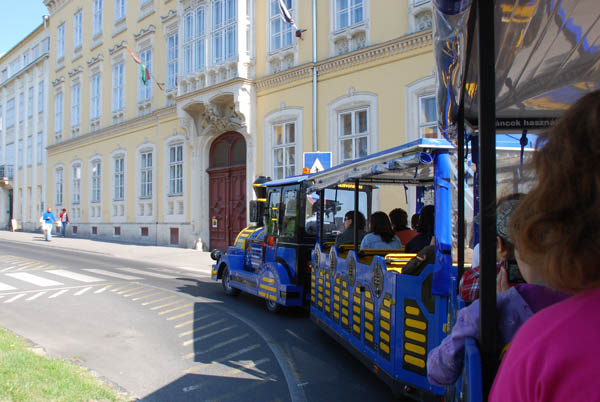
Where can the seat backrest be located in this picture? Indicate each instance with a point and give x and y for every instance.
(472, 389)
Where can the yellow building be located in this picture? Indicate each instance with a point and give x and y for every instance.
(243, 96)
(23, 110)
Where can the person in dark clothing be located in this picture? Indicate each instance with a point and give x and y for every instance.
(347, 236)
(425, 229)
(399, 219)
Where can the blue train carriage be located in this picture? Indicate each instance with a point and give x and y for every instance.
(271, 259)
(389, 320)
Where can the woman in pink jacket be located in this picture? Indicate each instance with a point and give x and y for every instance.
(555, 356)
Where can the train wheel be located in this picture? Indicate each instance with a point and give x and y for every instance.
(226, 282)
(273, 306)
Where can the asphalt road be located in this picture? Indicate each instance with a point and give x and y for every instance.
(164, 334)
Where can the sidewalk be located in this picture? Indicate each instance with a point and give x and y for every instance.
(171, 256)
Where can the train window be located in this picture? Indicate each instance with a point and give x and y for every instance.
(290, 213)
(272, 215)
(337, 203)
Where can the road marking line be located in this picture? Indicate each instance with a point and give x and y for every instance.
(164, 305)
(175, 309)
(36, 296)
(36, 280)
(103, 289)
(6, 269)
(137, 293)
(229, 356)
(212, 324)
(129, 290)
(4, 286)
(12, 299)
(218, 346)
(191, 341)
(192, 321)
(113, 274)
(192, 387)
(82, 291)
(180, 315)
(147, 296)
(75, 276)
(158, 300)
(148, 273)
(249, 366)
(58, 293)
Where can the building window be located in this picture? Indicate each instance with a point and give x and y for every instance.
(224, 30)
(117, 230)
(40, 147)
(77, 30)
(95, 98)
(348, 12)
(172, 61)
(26, 59)
(144, 231)
(20, 153)
(120, 11)
(10, 113)
(21, 107)
(41, 97)
(60, 46)
(281, 31)
(97, 29)
(427, 117)
(119, 178)
(145, 91)
(94, 230)
(146, 175)
(58, 112)
(74, 229)
(194, 38)
(59, 186)
(118, 94)
(353, 134)
(176, 170)
(30, 102)
(29, 150)
(75, 105)
(284, 150)
(76, 184)
(96, 180)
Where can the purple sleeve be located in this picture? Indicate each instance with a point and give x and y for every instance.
(445, 362)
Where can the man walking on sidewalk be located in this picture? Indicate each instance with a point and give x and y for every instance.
(49, 219)
(64, 220)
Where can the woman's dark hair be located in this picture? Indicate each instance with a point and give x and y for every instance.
(399, 219)
(360, 222)
(556, 226)
(426, 220)
(505, 207)
(414, 221)
(381, 225)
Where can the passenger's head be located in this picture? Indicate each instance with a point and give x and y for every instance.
(349, 220)
(426, 220)
(414, 221)
(399, 219)
(505, 249)
(49, 209)
(556, 226)
(381, 225)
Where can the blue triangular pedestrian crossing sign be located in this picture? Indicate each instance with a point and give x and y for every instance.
(317, 161)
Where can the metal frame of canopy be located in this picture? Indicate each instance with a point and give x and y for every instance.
(521, 60)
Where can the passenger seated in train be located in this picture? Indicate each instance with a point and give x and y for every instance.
(414, 222)
(505, 252)
(399, 219)
(418, 263)
(381, 235)
(425, 229)
(515, 302)
(347, 236)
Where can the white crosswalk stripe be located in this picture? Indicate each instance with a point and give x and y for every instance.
(82, 291)
(148, 273)
(16, 297)
(36, 296)
(113, 274)
(58, 293)
(34, 279)
(74, 275)
(4, 286)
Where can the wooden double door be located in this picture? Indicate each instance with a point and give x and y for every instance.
(227, 187)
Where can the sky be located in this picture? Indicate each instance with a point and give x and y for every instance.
(18, 18)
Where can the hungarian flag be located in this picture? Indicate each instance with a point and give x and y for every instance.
(145, 73)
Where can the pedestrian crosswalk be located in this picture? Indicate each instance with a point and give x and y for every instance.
(25, 280)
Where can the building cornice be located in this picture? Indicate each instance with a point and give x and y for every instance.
(143, 32)
(216, 87)
(75, 71)
(117, 47)
(24, 70)
(369, 54)
(95, 60)
(55, 5)
(58, 81)
(172, 14)
(114, 130)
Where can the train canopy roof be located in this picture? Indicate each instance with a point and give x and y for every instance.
(410, 163)
(547, 57)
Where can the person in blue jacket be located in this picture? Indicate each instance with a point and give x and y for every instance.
(49, 219)
(381, 235)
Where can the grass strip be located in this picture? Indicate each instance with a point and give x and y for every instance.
(27, 376)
